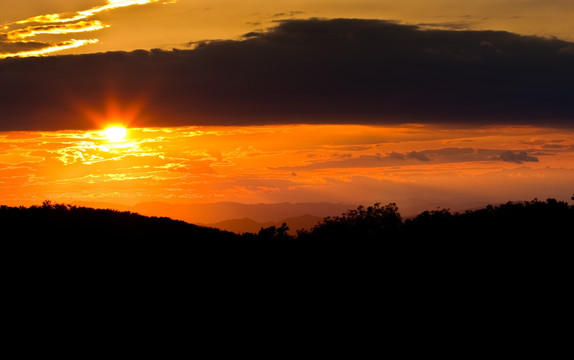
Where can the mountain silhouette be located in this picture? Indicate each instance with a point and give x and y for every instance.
(209, 213)
(247, 225)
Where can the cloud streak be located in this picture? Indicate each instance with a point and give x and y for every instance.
(61, 29)
(305, 71)
(14, 41)
(85, 14)
(517, 157)
(52, 48)
(436, 156)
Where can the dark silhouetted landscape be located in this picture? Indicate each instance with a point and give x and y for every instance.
(526, 220)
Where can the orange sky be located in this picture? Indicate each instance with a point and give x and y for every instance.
(409, 163)
(288, 163)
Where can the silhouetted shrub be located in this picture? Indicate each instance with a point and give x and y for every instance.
(274, 233)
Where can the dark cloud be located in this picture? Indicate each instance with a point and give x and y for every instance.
(342, 70)
(517, 157)
(567, 50)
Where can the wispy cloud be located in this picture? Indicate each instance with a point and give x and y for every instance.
(52, 48)
(59, 29)
(85, 14)
(14, 37)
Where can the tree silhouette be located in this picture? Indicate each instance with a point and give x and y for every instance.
(363, 223)
(275, 233)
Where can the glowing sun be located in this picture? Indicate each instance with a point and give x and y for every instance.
(116, 133)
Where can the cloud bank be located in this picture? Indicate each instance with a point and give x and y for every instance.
(309, 71)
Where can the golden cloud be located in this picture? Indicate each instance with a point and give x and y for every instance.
(51, 48)
(31, 31)
(17, 37)
(85, 14)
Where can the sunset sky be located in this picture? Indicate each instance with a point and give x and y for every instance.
(442, 102)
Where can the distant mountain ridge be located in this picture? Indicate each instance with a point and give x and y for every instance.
(211, 213)
(247, 225)
(251, 218)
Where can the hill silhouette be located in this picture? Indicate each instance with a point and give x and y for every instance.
(510, 221)
(61, 221)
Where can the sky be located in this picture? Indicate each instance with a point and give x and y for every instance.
(443, 102)
(125, 25)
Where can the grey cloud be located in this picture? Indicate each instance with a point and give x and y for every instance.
(445, 155)
(418, 156)
(436, 156)
(398, 156)
(517, 157)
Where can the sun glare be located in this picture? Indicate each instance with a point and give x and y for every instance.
(116, 133)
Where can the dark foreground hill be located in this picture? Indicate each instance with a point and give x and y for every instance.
(140, 270)
(60, 221)
(361, 247)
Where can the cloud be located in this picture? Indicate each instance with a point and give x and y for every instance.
(288, 14)
(567, 50)
(435, 156)
(303, 71)
(418, 156)
(8, 47)
(15, 43)
(517, 157)
(58, 29)
(84, 14)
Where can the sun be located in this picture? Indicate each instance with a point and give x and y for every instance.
(116, 133)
